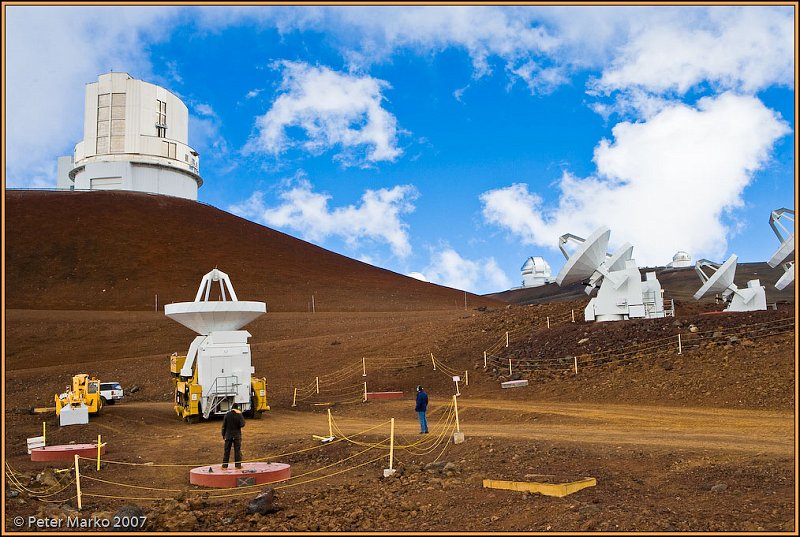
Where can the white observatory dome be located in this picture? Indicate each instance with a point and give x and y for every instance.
(419, 276)
(535, 272)
(681, 259)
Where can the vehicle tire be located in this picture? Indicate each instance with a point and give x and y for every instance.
(111, 402)
(104, 401)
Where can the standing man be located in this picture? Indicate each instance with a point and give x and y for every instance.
(232, 433)
(421, 408)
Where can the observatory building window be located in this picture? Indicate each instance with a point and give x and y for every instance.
(170, 149)
(117, 123)
(103, 122)
(161, 119)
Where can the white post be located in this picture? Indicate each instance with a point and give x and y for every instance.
(466, 377)
(317, 385)
(390, 471)
(365, 392)
(484, 359)
(458, 436)
(294, 399)
(78, 481)
(576, 365)
(364, 366)
(548, 322)
(509, 367)
(679, 343)
(506, 339)
(458, 392)
(434, 362)
(573, 315)
(330, 424)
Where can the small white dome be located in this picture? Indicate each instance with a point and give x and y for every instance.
(419, 276)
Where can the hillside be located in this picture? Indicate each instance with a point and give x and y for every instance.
(117, 250)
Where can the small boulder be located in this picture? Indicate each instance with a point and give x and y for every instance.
(264, 503)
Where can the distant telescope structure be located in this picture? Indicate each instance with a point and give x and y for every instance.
(680, 259)
(786, 249)
(622, 293)
(418, 276)
(135, 137)
(536, 272)
(751, 298)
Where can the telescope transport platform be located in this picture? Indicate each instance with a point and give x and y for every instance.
(251, 473)
(66, 452)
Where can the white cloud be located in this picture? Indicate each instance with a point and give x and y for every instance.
(334, 110)
(377, 218)
(448, 268)
(663, 185)
(52, 53)
(735, 48)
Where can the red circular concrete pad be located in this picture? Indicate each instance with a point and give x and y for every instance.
(66, 452)
(251, 473)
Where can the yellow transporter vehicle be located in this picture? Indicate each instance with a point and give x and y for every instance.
(189, 400)
(74, 405)
(217, 372)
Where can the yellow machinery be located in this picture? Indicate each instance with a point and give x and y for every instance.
(189, 394)
(74, 406)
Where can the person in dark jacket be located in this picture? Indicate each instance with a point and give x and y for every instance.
(421, 409)
(232, 425)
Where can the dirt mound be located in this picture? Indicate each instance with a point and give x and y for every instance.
(118, 250)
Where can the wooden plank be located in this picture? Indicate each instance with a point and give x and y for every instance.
(548, 489)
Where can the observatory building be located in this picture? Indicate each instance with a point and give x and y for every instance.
(680, 259)
(135, 137)
(535, 272)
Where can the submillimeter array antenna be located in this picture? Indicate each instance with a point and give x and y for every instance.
(787, 246)
(622, 294)
(720, 281)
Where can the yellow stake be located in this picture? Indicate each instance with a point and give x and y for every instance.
(294, 399)
(44, 432)
(317, 385)
(330, 424)
(98, 452)
(466, 377)
(365, 392)
(364, 366)
(484, 359)
(78, 481)
(434, 362)
(391, 445)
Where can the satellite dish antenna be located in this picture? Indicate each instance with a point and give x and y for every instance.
(585, 260)
(720, 280)
(622, 294)
(205, 316)
(751, 298)
(787, 239)
(787, 278)
(786, 248)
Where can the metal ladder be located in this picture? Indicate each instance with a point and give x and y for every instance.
(222, 389)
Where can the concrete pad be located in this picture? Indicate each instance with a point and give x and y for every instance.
(251, 473)
(514, 384)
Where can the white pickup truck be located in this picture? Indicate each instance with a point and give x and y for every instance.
(111, 392)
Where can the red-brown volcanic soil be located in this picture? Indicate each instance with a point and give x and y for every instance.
(699, 441)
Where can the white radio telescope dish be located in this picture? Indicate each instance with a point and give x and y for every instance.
(205, 316)
(787, 238)
(787, 278)
(585, 260)
(720, 280)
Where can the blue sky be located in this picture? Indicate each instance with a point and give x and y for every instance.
(450, 141)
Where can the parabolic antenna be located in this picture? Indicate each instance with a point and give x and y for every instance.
(205, 316)
(585, 259)
(618, 260)
(720, 280)
(787, 239)
(787, 278)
